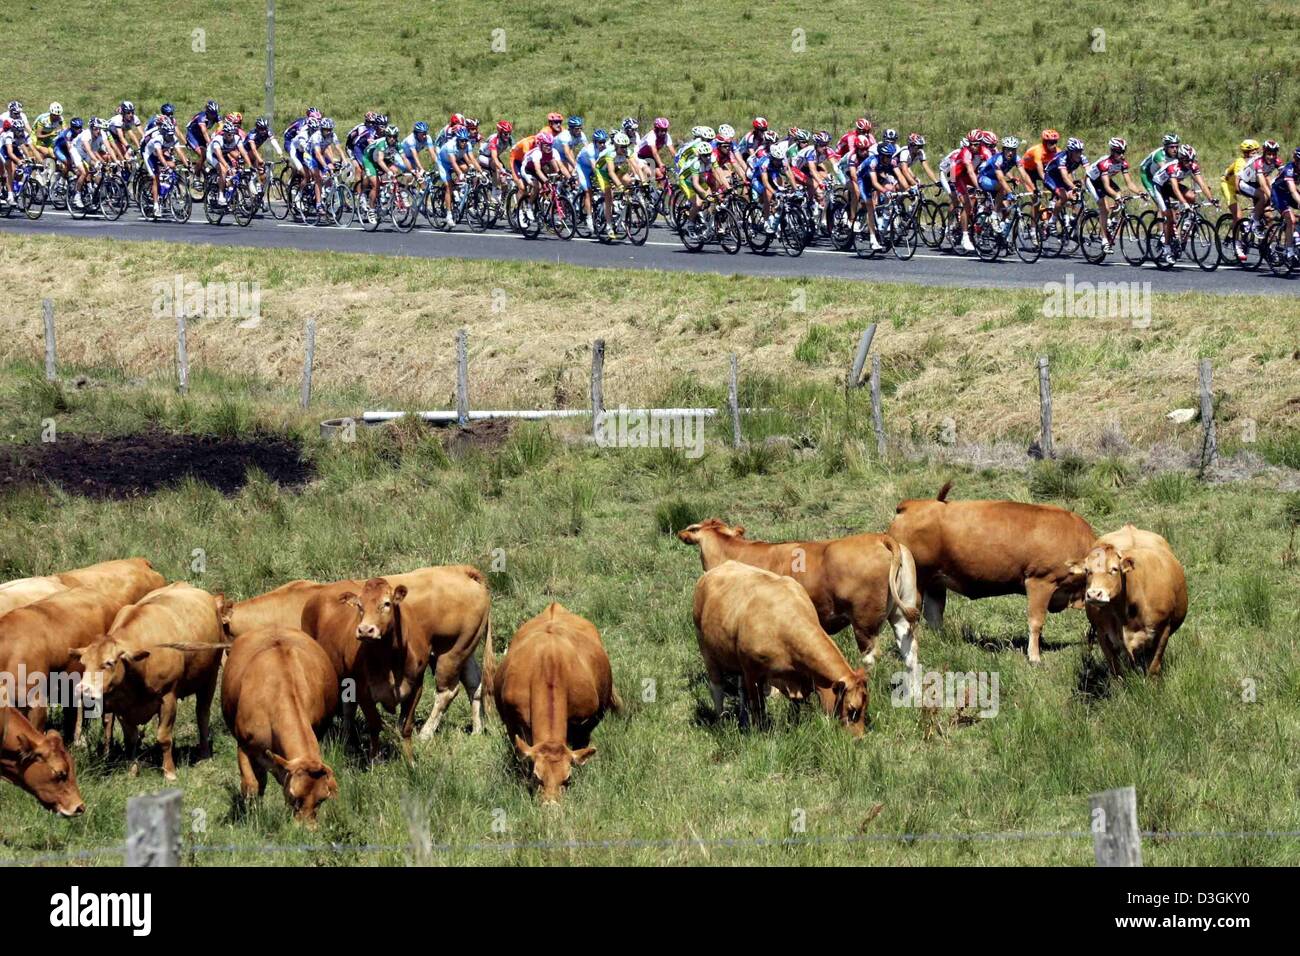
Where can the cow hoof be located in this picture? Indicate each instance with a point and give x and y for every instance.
(1035, 660)
(134, 771)
(170, 777)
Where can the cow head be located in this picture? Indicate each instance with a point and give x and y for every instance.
(1103, 569)
(41, 765)
(106, 664)
(553, 764)
(693, 533)
(376, 607)
(851, 698)
(308, 783)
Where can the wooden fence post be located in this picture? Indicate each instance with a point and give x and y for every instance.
(877, 415)
(1045, 408)
(462, 378)
(51, 366)
(308, 362)
(182, 352)
(864, 345)
(597, 388)
(153, 829)
(1116, 840)
(1209, 440)
(733, 399)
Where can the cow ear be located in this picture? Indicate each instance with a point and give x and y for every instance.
(1074, 567)
(582, 756)
(224, 609)
(839, 687)
(136, 656)
(76, 652)
(277, 759)
(399, 593)
(348, 597)
(740, 530)
(1126, 564)
(522, 747)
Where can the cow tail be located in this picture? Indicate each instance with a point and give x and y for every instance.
(902, 580)
(489, 669)
(943, 492)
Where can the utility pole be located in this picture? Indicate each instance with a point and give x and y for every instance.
(270, 63)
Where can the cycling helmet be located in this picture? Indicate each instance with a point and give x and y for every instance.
(1171, 139)
(1248, 146)
(600, 137)
(1073, 144)
(99, 124)
(421, 129)
(769, 137)
(1010, 142)
(974, 135)
(17, 127)
(126, 107)
(313, 126)
(891, 136)
(1187, 153)
(56, 109)
(212, 109)
(238, 119)
(391, 132)
(15, 107)
(554, 118)
(988, 139)
(886, 150)
(1119, 144)
(313, 113)
(228, 130)
(77, 124)
(726, 132)
(863, 125)
(797, 134)
(505, 128)
(575, 122)
(630, 125)
(545, 139)
(261, 125)
(458, 119)
(168, 110)
(382, 120)
(964, 144)
(327, 124)
(760, 124)
(661, 122)
(462, 135)
(709, 133)
(779, 150)
(915, 139)
(860, 145)
(622, 140)
(1051, 136)
(370, 118)
(471, 124)
(701, 132)
(1271, 146)
(169, 135)
(821, 138)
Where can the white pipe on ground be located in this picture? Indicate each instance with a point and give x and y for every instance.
(376, 417)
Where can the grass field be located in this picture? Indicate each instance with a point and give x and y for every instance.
(1094, 69)
(589, 528)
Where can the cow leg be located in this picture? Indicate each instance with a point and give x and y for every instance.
(203, 704)
(1158, 656)
(406, 723)
(107, 734)
(933, 600)
(251, 783)
(906, 636)
(131, 740)
(446, 675)
(72, 724)
(166, 730)
(374, 724)
(471, 677)
(1108, 649)
(1040, 596)
(752, 691)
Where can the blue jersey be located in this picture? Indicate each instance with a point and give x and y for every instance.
(413, 144)
(1062, 160)
(998, 163)
(192, 127)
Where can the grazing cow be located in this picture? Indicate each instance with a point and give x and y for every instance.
(37, 645)
(39, 763)
(159, 651)
(279, 608)
(860, 580)
(278, 691)
(127, 580)
(764, 627)
(552, 688)
(1135, 598)
(990, 548)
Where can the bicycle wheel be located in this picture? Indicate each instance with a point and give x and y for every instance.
(1243, 247)
(114, 201)
(1223, 228)
(728, 230)
(1155, 241)
(930, 219)
(404, 211)
(1054, 238)
(756, 234)
(841, 226)
(637, 220)
(32, 200)
(677, 209)
(1203, 246)
(905, 238)
(692, 233)
(1025, 238)
(246, 205)
(277, 198)
(986, 240)
(563, 219)
(179, 202)
(791, 228)
(1132, 245)
(212, 208)
(476, 210)
(530, 219)
(1091, 237)
(1275, 251)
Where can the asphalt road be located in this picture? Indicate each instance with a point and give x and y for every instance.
(662, 251)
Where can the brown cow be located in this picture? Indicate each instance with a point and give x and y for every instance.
(553, 687)
(763, 626)
(990, 548)
(37, 645)
(39, 763)
(279, 608)
(134, 673)
(128, 580)
(860, 580)
(278, 691)
(1136, 598)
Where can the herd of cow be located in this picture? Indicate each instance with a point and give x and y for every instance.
(763, 613)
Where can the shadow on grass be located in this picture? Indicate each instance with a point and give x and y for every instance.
(1006, 641)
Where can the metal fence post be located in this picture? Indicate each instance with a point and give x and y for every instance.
(860, 359)
(308, 361)
(877, 414)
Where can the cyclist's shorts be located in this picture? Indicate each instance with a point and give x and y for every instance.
(1249, 190)
(1282, 200)
(684, 184)
(800, 177)
(1035, 176)
(368, 166)
(756, 187)
(586, 174)
(302, 160)
(149, 165)
(359, 154)
(445, 169)
(61, 154)
(1162, 196)
(1092, 190)
(988, 184)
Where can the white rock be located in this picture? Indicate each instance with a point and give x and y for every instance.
(1181, 416)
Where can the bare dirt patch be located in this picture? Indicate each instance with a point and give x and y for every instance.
(124, 466)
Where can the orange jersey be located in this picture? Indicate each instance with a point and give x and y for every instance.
(1037, 157)
(521, 148)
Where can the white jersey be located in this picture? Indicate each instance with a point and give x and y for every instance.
(89, 143)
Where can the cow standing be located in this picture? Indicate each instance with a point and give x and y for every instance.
(991, 548)
(126, 579)
(278, 692)
(763, 626)
(862, 580)
(551, 690)
(159, 651)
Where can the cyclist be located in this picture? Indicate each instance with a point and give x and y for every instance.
(616, 155)
(1255, 181)
(769, 172)
(654, 146)
(876, 175)
(201, 126)
(493, 148)
(961, 175)
(1056, 174)
(88, 151)
(1168, 192)
(382, 157)
(913, 154)
(325, 148)
(223, 152)
(751, 142)
(585, 168)
(517, 154)
(13, 141)
(861, 131)
(63, 145)
(554, 123)
(817, 167)
(47, 126)
(1101, 188)
(729, 167)
(848, 165)
(694, 169)
(158, 151)
(1285, 200)
(302, 156)
(541, 159)
(417, 142)
(293, 129)
(124, 127)
(996, 172)
(254, 140)
(1036, 159)
(358, 141)
(1249, 149)
(166, 111)
(455, 160)
(571, 142)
